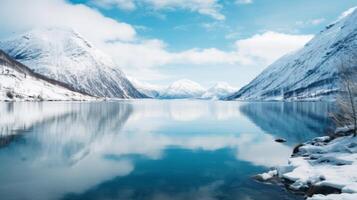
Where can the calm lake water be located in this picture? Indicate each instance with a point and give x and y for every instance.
(149, 149)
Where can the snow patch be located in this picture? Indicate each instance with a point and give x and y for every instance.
(325, 162)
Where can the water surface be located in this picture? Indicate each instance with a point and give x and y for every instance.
(164, 150)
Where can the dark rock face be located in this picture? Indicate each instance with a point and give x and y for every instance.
(325, 190)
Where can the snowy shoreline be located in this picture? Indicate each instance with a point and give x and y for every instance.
(324, 168)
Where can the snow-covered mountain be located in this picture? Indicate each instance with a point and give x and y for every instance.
(310, 73)
(63, 55)
(183, 89)
(19, 83)
(218, 91)
(147, 89)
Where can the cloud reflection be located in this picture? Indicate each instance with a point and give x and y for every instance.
(67, 146)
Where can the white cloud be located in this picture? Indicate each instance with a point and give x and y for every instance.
(317, 21)
(204, 7)
(311, 22)
(260, 49)
(214, 25)
(244, 1)
(122, 4)
(141, 58)
(269, 46)
(257, 51)
(20, 15)
(206, 56)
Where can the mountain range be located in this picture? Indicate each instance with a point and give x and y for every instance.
(184, 89)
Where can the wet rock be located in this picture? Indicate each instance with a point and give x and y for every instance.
(296, 148)
(280, 140)
(321, 189)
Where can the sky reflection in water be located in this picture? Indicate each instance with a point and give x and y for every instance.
(149, 149)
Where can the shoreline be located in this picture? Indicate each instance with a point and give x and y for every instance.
(324, 168)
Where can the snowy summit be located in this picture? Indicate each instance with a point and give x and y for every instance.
(182, 89)
(218, 91)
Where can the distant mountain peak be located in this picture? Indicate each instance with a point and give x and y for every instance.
(219, 90)
(186, 84)
(182, 89)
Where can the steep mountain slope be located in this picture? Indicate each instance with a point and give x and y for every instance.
(218, 91)
(310, 73)
(63, 55)
(183, 89)
(18, 82)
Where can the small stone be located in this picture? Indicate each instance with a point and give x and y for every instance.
(280, 140)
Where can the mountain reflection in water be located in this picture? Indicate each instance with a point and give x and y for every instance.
(149, 149)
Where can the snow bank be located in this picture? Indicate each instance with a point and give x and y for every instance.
(322, 166)
(343, 196)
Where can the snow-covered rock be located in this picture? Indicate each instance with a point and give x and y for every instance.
(267, 175)
(218, 91)
(64, 55)
(310, 73)
(325, 163)
(19, 83)
(183, 89)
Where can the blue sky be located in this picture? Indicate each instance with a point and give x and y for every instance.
(183, 29)
(207, 41)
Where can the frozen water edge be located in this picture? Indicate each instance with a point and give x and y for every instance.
(324, 168)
